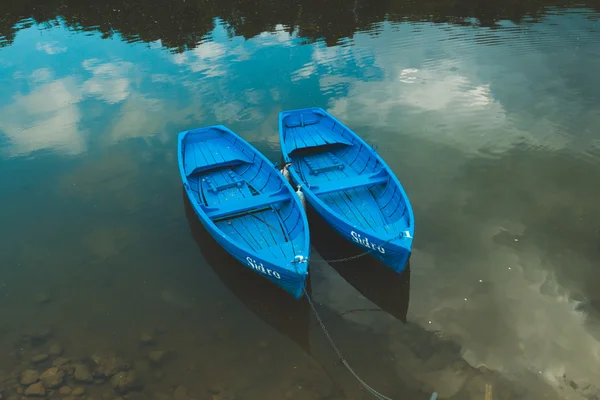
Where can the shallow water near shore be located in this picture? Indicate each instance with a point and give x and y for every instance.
(488, 115)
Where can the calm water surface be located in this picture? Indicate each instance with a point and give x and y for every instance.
(489, 115)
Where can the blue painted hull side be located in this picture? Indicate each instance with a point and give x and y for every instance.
(292, 283)
(394, 256)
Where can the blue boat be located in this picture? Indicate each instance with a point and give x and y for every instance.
(246, 204)
(348, 184)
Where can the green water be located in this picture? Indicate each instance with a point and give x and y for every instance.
(488, 114)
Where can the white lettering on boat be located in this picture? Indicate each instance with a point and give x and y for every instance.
(260, 268)
(365, 242)
(407, 234)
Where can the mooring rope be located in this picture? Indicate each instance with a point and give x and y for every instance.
(364, 384)
(368, 387)
(341, 357)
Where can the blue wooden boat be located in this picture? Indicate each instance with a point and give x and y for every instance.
(246, 204)
(348, 184)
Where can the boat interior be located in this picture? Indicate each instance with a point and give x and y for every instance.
(242, 195)
(344, 173)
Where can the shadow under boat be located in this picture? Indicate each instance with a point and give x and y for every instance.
(289, 316)
(387, 289)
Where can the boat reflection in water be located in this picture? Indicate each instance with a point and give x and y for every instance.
(289, 316)
(371, 278)
(374, 280)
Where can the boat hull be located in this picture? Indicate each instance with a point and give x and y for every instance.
(348, 184)
(246, 205)
(293, 283)
(389, 252)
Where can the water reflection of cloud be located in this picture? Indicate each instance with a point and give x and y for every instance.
(205, 58)
(451, 97)
(144, 116)
(109, 81)
(509, 314)
(279, 36)
(50, 47)
(521, 321)
(488, 275)
(305, 72)
(45, 118)
(41, 75)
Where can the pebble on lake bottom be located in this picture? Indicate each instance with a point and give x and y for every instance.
(146, 338)
(78, 391)
(52, 378)
(82, 373)
(157, 357)
(39, 358)
(65, 390)
(35, 390)
(29, 376)
(126, 381)
(180, 393)
(55, 349)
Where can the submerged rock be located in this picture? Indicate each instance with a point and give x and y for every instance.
(29, 376)
(52, 378)
(158, 375)
(65, 390)
(107, 366)
(126, 381)
(39, 358)
(82, 373)
(161, 396)
(223, 396)
(146, 338)
(180, 393)
(216, 387)
(79, 391)
(60, 362)
(157, 357)
(36, 390)
(55, 349)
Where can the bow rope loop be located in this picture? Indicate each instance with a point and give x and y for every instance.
(301, 196)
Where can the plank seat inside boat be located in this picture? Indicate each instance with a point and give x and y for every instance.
(236, 181)
(334, 164)
(258, 202)
(353, 182)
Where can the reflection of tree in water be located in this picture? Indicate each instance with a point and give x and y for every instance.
(181, 24)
